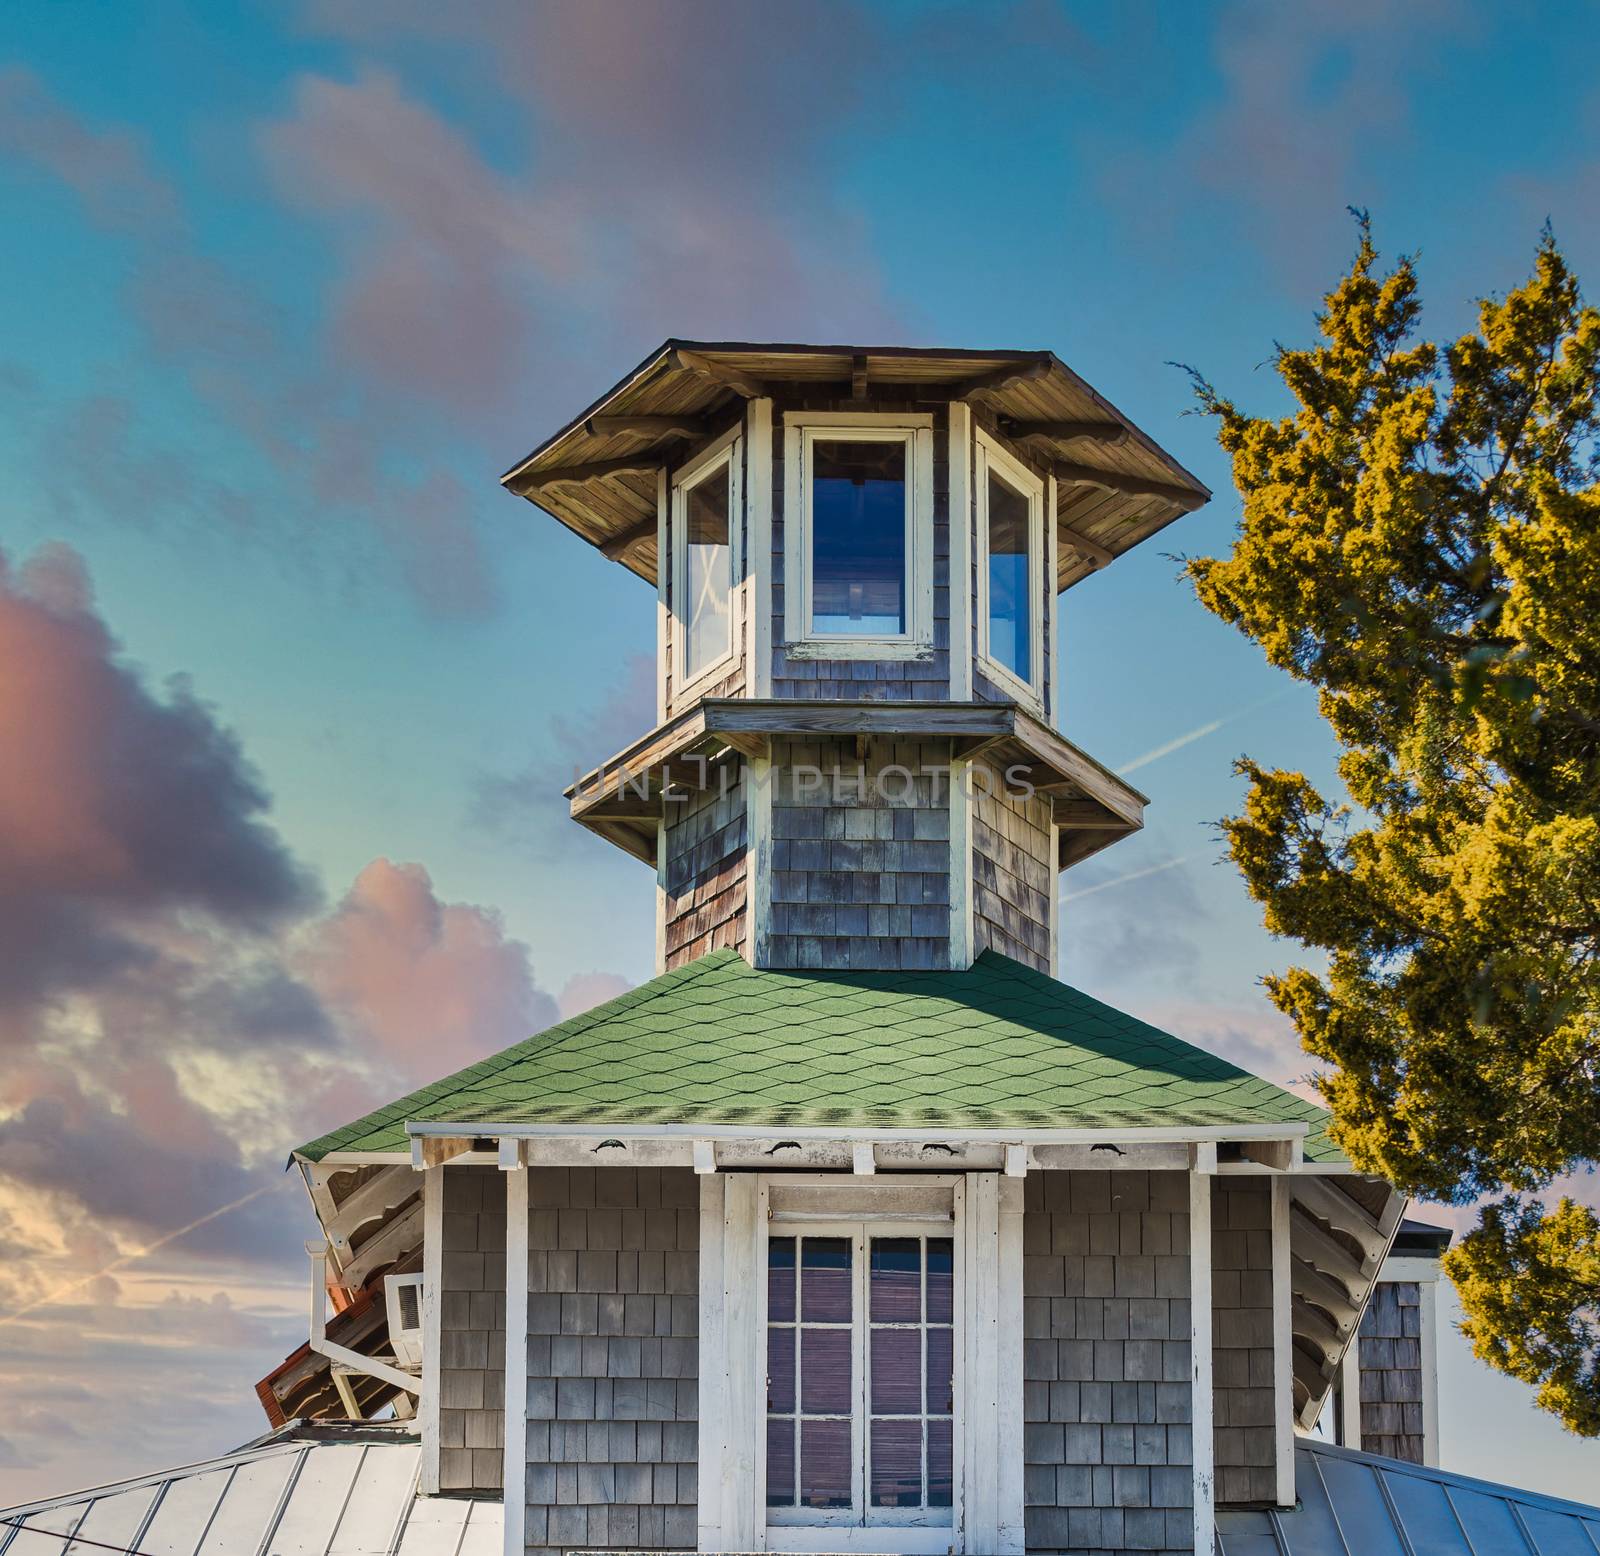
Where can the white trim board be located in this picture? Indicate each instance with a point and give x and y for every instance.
(514, 1474)
(432, 1272)
(1203, 1398)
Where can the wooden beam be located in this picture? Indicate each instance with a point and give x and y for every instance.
(1107, 433)
(1096, 553)
(1310, 1285)
(623, 542)
(652, 426)
(1131, 485)
(593, 471)
(728, 377)
(858, 378)
(1004, 377)
(1279, 1155)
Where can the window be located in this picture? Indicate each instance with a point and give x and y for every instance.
(1010, 577)
(705, 524)
(860, 1376)
(858, 537)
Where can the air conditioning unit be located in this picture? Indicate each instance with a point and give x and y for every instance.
(403, 1294)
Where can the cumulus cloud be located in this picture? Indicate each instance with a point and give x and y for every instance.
(429, 986)
(179, 1007)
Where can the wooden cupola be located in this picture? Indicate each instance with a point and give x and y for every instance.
(859, 757)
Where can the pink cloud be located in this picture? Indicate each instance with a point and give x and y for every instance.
(584, 991)
(108, 169)
(431, 986)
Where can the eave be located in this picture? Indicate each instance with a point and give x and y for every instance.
(1115, 485)
(625, 798)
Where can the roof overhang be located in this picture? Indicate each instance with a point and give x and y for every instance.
(1115, 485)
(626, 797)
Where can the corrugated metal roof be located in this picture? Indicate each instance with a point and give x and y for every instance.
(325, 1493)
(1358, 1504)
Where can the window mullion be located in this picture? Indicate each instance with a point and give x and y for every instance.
(861, 1426)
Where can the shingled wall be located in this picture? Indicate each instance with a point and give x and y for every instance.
(472, 1329)
(1391, 1371)
(1106, 1396)
(613, 1358)
(1242, 1356)
(860, 856)
(707, 870)
(1013, 872)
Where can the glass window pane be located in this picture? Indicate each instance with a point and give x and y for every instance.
(940, 1480)
(941, 1280)
(825, 1371)
(825, 1280)
(825, 1463)
(896, 1464)
(941, 1371)
(858, 537)
(1010, 608)
(895, 1280)
(707, 621)
(780, 1280)
(896, 1371)
(780, 1369)
(780, 1463)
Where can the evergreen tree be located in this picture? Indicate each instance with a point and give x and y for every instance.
(1420, 540)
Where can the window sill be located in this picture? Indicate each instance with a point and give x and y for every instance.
(1029, 697)
(858, 648)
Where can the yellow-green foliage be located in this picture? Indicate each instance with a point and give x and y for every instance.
(1421, 541)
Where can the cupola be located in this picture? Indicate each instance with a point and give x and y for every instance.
(859, 759)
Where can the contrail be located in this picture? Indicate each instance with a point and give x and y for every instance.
(1122, 880)
(1193, 735)
(51, 1297)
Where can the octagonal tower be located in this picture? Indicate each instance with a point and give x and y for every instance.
(859, 759)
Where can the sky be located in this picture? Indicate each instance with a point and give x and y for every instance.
(289, 686)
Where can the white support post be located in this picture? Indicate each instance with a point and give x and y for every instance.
(758, 873)
(731, 1392)
(1054, 877)
(663, 574)
(960, 484)
(515, 1472)
(981, 1235)
(1282, 1344)
(1203, 1410)
(713, 1386)
(1428, 1340)
(758, 558)
(961, 948)
(705, 1157)
(661, 897)
(1055, 714)
(1010, 1494)
(432, 1272)
(1350, 1393)
(863, 1163)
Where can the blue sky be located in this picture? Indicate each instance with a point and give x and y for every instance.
(289, 285)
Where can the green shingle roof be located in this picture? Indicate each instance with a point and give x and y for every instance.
(718, 1042)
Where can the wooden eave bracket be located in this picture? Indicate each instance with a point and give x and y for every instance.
(533, 481)
(1003, 377)
(618, 546)
(718, 373)
(1108, 434)
(1184, 497)
(648, 426)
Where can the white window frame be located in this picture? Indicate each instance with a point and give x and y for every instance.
(726, 450)
(849, 1208)
(802, 430)
(991, 456)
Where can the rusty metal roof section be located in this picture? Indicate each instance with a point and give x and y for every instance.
(318, 1491)
(1359, 1504)
(597, 475)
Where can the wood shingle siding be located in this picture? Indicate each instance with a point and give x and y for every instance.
(1106, 1362)
(1242, 1356)
(860, 855)
(613, 1358)
(472, 1330)
(1391, 1372)
(707, 870)
(1013, 870)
